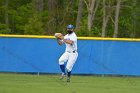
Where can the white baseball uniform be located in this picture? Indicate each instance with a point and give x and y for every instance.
(70, 55)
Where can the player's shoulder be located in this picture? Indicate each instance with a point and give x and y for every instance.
(71, 35)
(66, 35)
(74, 34)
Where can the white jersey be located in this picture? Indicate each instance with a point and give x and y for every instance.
(73, 46)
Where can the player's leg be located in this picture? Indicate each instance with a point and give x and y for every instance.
(70, 64)
(62, 60)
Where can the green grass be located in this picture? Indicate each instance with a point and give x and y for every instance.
(21, 83)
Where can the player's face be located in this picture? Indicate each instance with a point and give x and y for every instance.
(69, 30)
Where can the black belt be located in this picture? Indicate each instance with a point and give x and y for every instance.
(71, 51)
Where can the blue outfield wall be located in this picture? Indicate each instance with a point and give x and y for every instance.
(95, 56)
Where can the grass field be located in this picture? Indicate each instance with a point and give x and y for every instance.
(23, 83)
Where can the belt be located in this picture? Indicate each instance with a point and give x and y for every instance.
(71, 51)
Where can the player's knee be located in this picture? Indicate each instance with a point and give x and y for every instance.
(68, 69)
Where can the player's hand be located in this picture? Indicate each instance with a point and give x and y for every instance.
(59, 36)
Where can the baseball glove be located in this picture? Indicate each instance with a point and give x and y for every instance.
(58, 35)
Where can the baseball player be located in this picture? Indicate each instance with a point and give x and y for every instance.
(70, 55)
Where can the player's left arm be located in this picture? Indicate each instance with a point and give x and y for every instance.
(68, 41)
(71, 40)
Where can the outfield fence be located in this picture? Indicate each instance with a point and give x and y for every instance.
(31, 53)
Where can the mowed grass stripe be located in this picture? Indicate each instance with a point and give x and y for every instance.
(26, 83)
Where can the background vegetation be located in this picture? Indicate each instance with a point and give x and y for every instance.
(99, 18)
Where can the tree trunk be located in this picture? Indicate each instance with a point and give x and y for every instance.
(52, 10)
(79, 15)
(39, 4)
(115, 35)
(134, 21)
(6, 12)
(90, 13)
(95, 9)
(92, 6)
(105, 18)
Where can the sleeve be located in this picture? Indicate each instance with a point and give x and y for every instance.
(59, 40)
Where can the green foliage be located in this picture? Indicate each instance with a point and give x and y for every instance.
(34, 26)
(82, 32)
(96, 31)
(4, 29)
(24, 18)
(126, 26)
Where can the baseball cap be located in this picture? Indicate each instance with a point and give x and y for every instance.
(70, 26)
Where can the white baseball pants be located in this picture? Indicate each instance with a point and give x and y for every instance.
(70, 58)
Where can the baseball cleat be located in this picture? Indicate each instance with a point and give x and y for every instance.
(62, 76)
(68, 79)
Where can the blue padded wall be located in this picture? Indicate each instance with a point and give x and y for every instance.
(95, 56)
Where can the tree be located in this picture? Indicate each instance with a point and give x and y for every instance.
(106, 18)
(107, 10)
(4, 24)
(79, 15)
(39, 4)
(134, 17)
(35, 24)
(6, 12)
(115, 34)
(90, 8)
